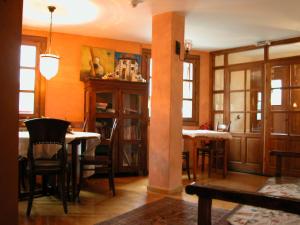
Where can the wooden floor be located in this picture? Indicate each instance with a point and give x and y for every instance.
(97, 203)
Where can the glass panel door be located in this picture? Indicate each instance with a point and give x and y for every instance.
(105, 102)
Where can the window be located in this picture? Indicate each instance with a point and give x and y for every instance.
(190, 85)
(31, 89)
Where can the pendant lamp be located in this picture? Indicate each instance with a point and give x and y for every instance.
(49, 62)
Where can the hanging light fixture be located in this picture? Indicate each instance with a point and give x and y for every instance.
(49, 62)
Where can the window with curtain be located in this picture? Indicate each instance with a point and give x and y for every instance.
(31, 89)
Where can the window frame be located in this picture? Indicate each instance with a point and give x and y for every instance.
(40, 81)
(195, 60)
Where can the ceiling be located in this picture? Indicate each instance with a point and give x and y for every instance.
(210, 24)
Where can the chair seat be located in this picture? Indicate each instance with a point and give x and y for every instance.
(95, 160)
(47, 166)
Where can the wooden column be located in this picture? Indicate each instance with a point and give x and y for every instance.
(10, 41)
(165, 160)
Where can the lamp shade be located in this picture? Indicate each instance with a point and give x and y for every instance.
(49, 64)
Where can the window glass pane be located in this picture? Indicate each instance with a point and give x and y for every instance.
(237, 80)
(237, 101)
(237, 122)
(187, 71)
(219, 80)
(276, 97)
(295, 102)
(296, 76)
(280, 76)
(187, 89)
(285, 50)
(219, 60)
(295, 121)
(27, 78)
(253, 101)
(26, 103)
(253, 122)
(279, 99)
(187, 109)
(279, 123)
(254, 80)
(218, 119)
(218, 101)
(246, 56)
(28, 56)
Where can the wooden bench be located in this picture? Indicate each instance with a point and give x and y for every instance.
(206, 193)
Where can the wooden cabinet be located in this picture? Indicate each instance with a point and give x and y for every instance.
(127, 101)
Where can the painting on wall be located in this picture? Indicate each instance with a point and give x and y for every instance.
(99, 63)
(128, 66)
(96, 62)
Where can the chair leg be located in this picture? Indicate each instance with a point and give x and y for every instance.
(210, 158)
(31, 194)
(187, 164)
(111, 181)
(68, 183)
(63, 191)
(202, 161)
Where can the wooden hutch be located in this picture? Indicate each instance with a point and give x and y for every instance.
(128, 102)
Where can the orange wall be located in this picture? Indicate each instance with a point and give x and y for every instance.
(65, 92)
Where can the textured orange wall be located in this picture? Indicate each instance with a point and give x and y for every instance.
(65, 92)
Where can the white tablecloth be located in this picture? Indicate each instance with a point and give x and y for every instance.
(207, 134)
(93, 139)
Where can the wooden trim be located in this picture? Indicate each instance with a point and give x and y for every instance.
(40, 82)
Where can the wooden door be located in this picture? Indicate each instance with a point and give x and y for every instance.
(245, 112)
(283, 110)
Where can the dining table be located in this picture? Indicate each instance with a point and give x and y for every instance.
(198, 137)
(87, 140)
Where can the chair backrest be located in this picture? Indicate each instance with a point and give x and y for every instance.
(47, 131)
(113, 134)
(223, 127)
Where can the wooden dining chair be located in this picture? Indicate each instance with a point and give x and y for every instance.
(214, 150)
(103, 161)
(47, 131)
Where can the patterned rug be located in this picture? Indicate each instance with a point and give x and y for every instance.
(167, 211)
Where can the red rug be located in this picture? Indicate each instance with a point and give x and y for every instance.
(167, 211)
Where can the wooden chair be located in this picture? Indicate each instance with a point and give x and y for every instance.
(186, 159)
(22, 164)
(214, 150)
(105, 161)
(47, 131)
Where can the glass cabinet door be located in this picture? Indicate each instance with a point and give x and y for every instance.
(105, 102)
(132, 104)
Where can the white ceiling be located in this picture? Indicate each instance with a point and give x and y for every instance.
(210, 24)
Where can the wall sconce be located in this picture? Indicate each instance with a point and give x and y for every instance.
(49, 62)
(187, 48)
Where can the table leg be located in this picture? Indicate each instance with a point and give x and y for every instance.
(194, 160)
(74, 169)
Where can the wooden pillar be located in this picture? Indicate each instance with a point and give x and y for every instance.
(165, 147)
(10, 41)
